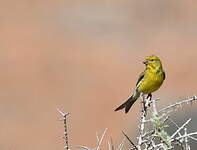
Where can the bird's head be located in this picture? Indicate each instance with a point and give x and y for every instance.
(152, 62)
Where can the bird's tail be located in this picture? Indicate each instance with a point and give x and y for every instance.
(131, 100)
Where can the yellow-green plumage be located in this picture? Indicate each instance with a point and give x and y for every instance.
(149, 81)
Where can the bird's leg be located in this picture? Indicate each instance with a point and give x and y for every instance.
(149, 97)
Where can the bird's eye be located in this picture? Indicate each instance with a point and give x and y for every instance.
(151, 60)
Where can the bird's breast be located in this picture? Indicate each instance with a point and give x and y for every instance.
(151, 82)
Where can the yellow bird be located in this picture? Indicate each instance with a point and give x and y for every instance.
(149, 81)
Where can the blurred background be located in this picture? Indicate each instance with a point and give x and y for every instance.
(84, 57)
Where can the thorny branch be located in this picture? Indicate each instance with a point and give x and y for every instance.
(63, 118)
(152, 129)
(142, 122)
(156, 137)
(187, 101)
(99, 141)
(158, 119)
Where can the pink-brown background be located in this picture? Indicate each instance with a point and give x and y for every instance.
(84, 57)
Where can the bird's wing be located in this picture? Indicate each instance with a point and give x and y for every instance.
(164, 75)
(140, 77)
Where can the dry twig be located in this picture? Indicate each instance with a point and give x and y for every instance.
(63, 118)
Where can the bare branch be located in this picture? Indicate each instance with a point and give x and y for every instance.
(193, 138)
(101, 139)
(83, 147)
(181, 128)
(130, 140)
(190, 100)
(121, 145)
(187, 146)
(111, 145)
(175, 125)
(63, 118)
(152, 129)
(188, 135)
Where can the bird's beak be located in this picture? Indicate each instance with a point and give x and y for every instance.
(145, 62)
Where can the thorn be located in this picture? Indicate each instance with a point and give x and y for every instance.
(62, 113)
